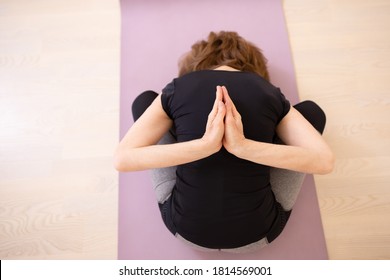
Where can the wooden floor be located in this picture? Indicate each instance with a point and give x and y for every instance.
(341, 51)
(59, 123)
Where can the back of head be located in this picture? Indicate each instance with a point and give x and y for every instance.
(224, 48)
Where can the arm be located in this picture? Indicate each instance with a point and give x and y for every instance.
(305, 150)
(138, 150)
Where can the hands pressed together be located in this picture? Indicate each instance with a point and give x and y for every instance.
(224, 126)
(304, 150)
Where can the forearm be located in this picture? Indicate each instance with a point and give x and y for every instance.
(159, 156)
(287, 157)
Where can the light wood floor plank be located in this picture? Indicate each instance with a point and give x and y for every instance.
(341, 51)
(59, 119)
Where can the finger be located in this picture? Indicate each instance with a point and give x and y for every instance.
(218, 96)
(226, 96)
(229, 103)
(229, 117)
(221, 112)
(217, 107)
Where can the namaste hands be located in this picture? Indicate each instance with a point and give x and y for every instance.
(224, 126)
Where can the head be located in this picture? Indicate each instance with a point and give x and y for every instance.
(224, 48)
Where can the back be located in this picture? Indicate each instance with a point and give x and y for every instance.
(223, 201)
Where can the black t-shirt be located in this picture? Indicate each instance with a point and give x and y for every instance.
(223, 201)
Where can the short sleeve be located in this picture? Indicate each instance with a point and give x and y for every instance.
(167, 96)
(284, 103)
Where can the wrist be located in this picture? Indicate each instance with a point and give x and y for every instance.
(240, 147)
(237, 148)
(209, 147)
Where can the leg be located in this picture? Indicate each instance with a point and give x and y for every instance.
(286, 184)
(163, 179)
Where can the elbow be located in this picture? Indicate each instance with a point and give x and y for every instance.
(327, 163)
(118, 165)
(120, 162)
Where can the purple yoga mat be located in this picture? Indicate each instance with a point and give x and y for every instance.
(154, 35)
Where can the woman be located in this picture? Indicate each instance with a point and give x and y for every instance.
(227, 150)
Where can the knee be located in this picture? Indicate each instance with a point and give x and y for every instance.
(142, 102)
(313, 113)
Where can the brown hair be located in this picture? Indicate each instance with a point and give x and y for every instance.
(224, 48)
